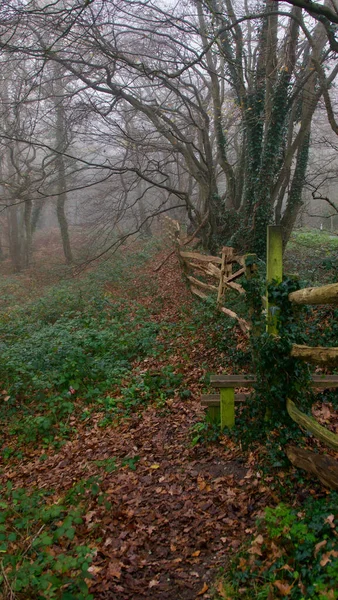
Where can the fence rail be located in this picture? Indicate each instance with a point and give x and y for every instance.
(219, 275)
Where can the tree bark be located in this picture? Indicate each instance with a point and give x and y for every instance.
(317, 355)
(323, 467)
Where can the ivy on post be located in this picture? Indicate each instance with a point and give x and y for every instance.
(274, 272)
(254, 296)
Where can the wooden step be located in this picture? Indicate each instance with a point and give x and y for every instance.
(325, 381)
(214, 399)
(226, 381)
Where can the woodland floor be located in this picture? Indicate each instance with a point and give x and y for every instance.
(178, 514)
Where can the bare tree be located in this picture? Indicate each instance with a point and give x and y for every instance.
(220, 102)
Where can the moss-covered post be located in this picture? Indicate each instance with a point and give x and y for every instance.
(274, 271)
(227, 403)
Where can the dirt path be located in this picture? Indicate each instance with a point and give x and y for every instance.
(171, 516)
(172, 521)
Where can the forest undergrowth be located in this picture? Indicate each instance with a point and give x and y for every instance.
(113, 483)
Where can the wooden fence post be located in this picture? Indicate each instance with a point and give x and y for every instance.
(274, 271)
(226, 270)
(227, 405)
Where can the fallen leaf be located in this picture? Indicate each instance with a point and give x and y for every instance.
(283, 587)
(155, 466)
(203, 590)
(326, 558)
(153, 583)
(197, 553)
(330, 520)
(114, 569)
(319, 546)
(255, 549)
(94, 570)
(259, 539)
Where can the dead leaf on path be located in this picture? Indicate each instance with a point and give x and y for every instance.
(202, 484)
(94, 570)
(155, 466)
(203, 590)
(330, 520)
(255, 549)
(153, 583)
(197, 553)
(259, 539)
(326, 558)
(319, 546)
(114, 569)
(283, 587)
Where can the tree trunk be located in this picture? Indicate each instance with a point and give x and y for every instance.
(14, 238)
(28, 232)
(61, 143)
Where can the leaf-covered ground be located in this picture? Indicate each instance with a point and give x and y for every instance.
(160, 515)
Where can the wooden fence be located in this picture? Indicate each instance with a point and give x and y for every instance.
(324, 467)
(215, 274)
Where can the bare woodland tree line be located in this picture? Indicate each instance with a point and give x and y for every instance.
(210, 110)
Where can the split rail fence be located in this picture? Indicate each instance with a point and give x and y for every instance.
(222, 273)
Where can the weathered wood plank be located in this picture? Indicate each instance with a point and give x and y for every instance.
(232, 380)
(215, 271)
(310, 424)
(326, 294)
(325, 381)
(196, 266)
(319, 355)
(235, 275)
(245, 327)
(198, 292)
(235, 286)
(214, 399)
(204, 286)
(318, 381)
(200, 257)
(322, 466)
